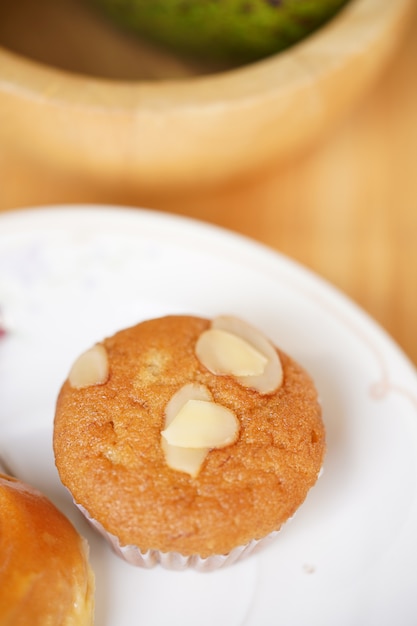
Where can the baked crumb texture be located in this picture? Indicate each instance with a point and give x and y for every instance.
(107, 443)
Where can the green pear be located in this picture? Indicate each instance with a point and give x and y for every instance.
(237, 31)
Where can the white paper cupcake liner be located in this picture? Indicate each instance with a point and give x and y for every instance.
(174, 560)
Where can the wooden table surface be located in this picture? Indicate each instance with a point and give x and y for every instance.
(347, 209)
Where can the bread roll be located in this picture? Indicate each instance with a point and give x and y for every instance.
(45, 576)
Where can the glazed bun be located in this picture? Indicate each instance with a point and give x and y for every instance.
(45, 576)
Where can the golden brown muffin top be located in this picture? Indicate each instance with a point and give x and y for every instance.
(45, 577)
(107, 443)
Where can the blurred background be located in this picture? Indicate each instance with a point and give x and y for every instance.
(345, 205)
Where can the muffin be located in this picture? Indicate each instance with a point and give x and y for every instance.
(45, 577)
(187, 441)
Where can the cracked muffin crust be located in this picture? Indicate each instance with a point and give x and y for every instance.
(108, 451)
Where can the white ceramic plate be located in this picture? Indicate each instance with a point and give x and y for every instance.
(70, 276)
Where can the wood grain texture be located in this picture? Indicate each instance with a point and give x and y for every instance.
(346, 209)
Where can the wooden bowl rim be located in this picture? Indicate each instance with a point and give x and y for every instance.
(358, 25)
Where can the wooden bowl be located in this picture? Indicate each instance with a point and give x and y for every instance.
(195, 130)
